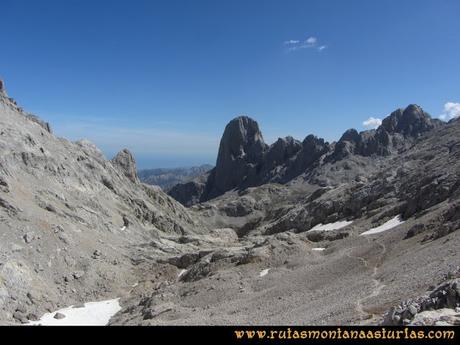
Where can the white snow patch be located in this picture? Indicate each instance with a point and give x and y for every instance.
(318, 249)
(181, 273)
(384, 227)
(331, 226)
(123, 228)
(264, 272)
(92, 314)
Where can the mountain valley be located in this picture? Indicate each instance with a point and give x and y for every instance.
(358, 231)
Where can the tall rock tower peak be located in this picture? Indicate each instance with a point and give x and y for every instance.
(125, 162)
(241, 148)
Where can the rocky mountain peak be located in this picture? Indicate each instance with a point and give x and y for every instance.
(397, 129)
(241, 148)
(242, 137)
(351, 135)
(283, 149)
(125, 163)
(411, 121)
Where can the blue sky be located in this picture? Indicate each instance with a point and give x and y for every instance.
(162, 78)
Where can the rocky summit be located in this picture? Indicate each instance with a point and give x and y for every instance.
(358, 231)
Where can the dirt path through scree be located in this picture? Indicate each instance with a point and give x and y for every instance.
(365, 317)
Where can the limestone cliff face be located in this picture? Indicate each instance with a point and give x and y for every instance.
(241, 152)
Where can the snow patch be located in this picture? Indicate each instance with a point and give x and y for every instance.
(181, 273)
(331, 226)
(264, 272)
(392, 223)
(91, 314)
(318, 249)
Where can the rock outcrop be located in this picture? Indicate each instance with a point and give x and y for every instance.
(10, 103)
(440, 307)
(397, 131)
(124, 161)
(412, 121)
(241, 153)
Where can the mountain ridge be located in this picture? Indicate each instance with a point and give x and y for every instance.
(169, 177)
(245, 160)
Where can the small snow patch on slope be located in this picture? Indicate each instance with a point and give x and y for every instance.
(331, 226)
(181, 273)
(92, 314)
(318, 249)
(392, 223)
(264, 272)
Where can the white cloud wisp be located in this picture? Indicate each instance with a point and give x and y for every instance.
(451, 111)
(309, 43)
(372, 122)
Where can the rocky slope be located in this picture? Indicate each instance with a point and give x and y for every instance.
(167, 178)
(70, 219)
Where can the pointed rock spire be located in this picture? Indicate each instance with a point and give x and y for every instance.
(125, 162)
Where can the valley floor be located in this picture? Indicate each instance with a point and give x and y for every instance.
(285, 281)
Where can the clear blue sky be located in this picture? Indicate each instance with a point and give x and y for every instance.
(162, 78)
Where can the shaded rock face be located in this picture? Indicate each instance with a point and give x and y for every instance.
(282, 150)
(279, 155)
(241, 152)
(412, 121)
(125, 162)
(312, 149)
(2, 87)
(188, 193)
(367, 143)
(399, 128)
